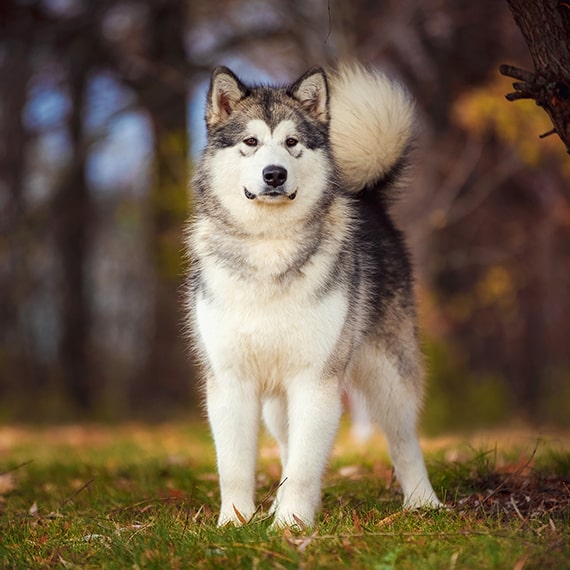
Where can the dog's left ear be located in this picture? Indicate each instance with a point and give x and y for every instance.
(226, 91)
(312, 91)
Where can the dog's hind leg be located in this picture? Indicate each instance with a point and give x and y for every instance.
(275, 417)
(234, 412)
(394, 400)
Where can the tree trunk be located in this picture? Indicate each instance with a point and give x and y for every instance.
(545, 25)
(166, 377)
(73, 213)
(14, 278)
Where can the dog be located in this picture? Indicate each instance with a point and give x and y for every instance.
(300, 285)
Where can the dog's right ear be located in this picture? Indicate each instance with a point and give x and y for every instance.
(226, 90)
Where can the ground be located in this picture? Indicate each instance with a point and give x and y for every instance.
(145, 496)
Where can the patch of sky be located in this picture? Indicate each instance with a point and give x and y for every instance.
(120, 154)
(47, 106)
(106, 99)
(122, 160)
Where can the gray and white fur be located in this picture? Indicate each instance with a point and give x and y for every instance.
(301, 285)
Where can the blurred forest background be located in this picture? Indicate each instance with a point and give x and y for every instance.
(101, 106)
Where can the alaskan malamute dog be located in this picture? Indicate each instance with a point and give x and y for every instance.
(300, 285)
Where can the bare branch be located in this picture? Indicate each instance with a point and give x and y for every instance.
(517, 73)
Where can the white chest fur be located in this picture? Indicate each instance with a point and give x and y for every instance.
(265, 331)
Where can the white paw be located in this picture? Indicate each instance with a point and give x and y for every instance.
(291, 521)
(237, 517)
(296, 516)
(426, 500)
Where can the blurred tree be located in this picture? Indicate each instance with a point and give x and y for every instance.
(33, 34)
(154, 64)
(142, 44)
(75, 49)
(16, 27)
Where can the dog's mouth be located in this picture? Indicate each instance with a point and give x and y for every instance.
(273, 195)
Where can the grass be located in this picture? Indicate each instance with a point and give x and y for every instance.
(136, 496)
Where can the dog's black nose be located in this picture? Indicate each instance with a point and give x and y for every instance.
(274, 175)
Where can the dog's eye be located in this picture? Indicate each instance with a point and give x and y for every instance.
(291, 142)
(250, 141)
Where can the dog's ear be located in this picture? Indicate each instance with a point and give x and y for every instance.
(312, 91)
(226, 90)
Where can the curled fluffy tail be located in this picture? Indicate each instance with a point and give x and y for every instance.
(372, 125)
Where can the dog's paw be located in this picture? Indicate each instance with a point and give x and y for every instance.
(299, 519)
(422, 501)
(234, 516)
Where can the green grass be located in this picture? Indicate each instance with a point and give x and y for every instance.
(146, 497)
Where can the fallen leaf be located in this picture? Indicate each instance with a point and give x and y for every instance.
(390, 518)
(519, 565)
(299, 542)
(92, 537)
(66, 563)
(356, 521)
(7, 483)
(300, 522)
(240, 517)
(552, 525)
(302, 545)
(523, 467)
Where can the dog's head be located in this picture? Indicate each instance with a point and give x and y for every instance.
(268, 147)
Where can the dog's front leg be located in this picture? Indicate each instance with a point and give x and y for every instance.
(314, 408)
(234, 412)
